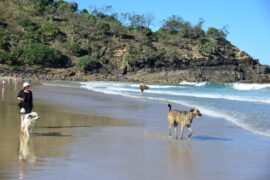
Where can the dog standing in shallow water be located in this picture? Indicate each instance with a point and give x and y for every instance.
(184, 118)
(27, 122)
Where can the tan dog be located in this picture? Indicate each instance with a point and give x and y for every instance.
(27, 122)
(184, 118)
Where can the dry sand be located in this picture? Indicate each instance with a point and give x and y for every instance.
(89, 135)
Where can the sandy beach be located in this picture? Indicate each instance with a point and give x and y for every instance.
(89, 135)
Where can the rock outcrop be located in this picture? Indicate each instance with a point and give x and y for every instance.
(246, 70)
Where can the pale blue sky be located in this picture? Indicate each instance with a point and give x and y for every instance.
(248, 20)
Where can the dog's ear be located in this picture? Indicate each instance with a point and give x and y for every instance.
(30, 116)
(192, 110)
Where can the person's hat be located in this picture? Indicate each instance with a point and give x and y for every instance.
(26, 84)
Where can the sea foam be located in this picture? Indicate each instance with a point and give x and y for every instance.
(247, 87)
(193, 83)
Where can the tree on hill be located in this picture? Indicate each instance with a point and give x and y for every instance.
(55, 33)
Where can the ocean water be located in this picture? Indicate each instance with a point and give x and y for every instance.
(246, 105)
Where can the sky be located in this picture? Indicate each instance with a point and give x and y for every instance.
(248, 21)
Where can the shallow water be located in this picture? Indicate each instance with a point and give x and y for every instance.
(73, 140)
(246, 105)
(20, 154)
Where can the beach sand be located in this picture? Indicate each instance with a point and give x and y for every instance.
(89, 135)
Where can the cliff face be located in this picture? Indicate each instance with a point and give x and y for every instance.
(246, 70)
(47, 39)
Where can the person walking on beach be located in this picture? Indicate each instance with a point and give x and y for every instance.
(3, 90)
(142, 86)
(25, 97)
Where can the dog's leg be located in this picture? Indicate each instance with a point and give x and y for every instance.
(27, 131)
(175, 130)
(24, 131)
(22, 123)
(32, 126)
(170, 129)
(190, 131)
(175, 124)
(182, 131)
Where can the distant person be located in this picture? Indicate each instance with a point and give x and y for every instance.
(15, 84)
(17, 77)
(25, 97)
(3, 91)
(142, 86)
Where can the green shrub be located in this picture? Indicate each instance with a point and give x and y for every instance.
(40, 54)
(4, 57)
(34, 68)
(129, 58)
(31, 35)
(16, 68)
(228, 51)
(207, 46)
(8, 58)
(48, 29)
(215, 33)
(74, 48)
(103, 60)
(26, 23)
(66, 7)
(103, 27)
(4, 39)
(87, 63)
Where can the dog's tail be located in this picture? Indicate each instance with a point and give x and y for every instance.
(170, 107)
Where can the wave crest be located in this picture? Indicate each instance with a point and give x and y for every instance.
(248, 87)
(193, 83)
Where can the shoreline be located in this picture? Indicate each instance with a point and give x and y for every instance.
(210, 114)
(84, 134)
(215, 134)
(71, 75)
(99, 97)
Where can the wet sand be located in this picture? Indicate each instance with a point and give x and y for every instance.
(89, 135)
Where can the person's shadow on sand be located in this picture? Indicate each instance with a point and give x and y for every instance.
(210, 138)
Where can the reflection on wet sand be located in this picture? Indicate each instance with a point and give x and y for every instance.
(3, 94)
(20, 154)
(181, 159)
(16, 83)
(26, 154)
